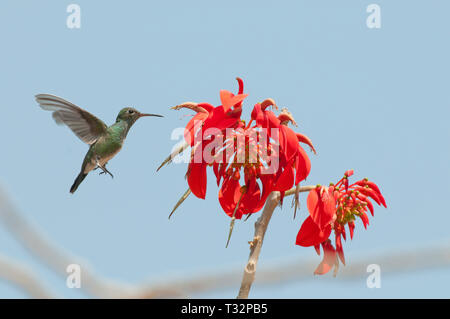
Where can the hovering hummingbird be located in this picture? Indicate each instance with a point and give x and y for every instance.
(105, 142)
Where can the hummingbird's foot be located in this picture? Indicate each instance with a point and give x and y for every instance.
(104, 171)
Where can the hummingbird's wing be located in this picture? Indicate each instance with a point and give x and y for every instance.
(85, 125)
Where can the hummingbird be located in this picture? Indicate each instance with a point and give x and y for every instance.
(105, 141)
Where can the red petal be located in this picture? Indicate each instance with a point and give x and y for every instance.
(272, 120)
(250, 201)
(351, 227)
(288, 142)
(329, 259)
(191, 127)
(321, 207)
(219, 120)
(221, 172)
(343, 233)
(258, 115)
(370, 205)
(317, 248)
(374, 186)
(268, 187)
(369, 192)
(339, 249)
(241, 89)
(229, 195)
(241, 85)
(228, 99)
(225, 98)
(364, 219)
(197, 179)
(303, 167)
(286, 179)
(208, 107)
(305, 139)
(310, 235)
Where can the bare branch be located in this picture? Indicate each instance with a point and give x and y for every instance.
(97, 286)
(21, 276)
(55, 257)
(286, 272)
(256, 244)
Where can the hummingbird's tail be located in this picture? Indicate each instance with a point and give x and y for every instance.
(77, 182)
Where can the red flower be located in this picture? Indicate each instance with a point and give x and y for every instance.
(249, 162)
(332, 208)
(252, 160)
(243, 147)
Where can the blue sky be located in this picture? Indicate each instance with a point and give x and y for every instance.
(374, 100)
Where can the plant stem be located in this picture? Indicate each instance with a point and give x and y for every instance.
(256, 244)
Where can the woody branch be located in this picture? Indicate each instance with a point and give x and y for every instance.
(256, 244)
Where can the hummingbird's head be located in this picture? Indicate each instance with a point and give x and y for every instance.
(131, 115)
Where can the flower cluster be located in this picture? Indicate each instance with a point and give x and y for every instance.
(249, 160)
(331, 209)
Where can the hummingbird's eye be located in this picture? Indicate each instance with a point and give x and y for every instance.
(130, 111)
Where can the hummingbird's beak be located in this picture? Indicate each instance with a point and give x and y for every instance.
(148, 114)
